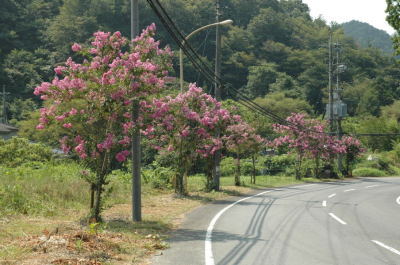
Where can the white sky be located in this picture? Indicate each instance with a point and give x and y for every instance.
(369, 11)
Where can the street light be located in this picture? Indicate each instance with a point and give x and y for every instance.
(225, 22)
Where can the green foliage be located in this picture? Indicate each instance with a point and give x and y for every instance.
(283, 105)
(227, 166)
(17, 151)
(41, 190)
(20, 109)
(368, 172)
(366, 36)
(158, 177)
(393, 11)
(276, 164)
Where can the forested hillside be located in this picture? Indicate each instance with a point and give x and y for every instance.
(273, 47)
(368, 36)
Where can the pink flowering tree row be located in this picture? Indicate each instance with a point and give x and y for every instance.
(187, 125)
(308, 139)
(92, 101)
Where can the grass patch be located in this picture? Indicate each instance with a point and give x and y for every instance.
(41, 205)
(368, 172)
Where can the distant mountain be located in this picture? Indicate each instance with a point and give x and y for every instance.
(366, 35)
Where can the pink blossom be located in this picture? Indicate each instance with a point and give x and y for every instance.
(76, 47)
(40, 126)
(67, 125)
(121, 156)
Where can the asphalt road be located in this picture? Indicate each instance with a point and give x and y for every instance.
(342, 223)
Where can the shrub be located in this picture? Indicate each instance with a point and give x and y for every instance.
(368, 172)
(17, 151)
(227, 166)
(381, 162)
(158, 177)
(279, 163)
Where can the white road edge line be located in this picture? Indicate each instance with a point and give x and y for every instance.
(308, 185)
(387, 247)
(209, 257)
(349, 190)
(332, 195)
(324, 203)
(398, 200)
(337, 219)
(371, 186)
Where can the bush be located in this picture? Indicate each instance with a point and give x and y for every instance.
(158, 177)
(368, 172)
(17, 151)
(277, 164)
(381, 161)
(227, 166)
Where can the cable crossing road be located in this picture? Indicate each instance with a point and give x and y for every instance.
(333, 223)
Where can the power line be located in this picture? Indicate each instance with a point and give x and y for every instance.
(202, 66)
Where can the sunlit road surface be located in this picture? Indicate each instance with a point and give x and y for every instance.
(341, 223)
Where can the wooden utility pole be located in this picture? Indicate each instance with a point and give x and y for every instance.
(136, 155)
(217, 87)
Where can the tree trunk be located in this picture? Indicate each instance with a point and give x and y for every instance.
(253, 180)
(209, 174)
(180, 183)
(316, 169)
(298, 167)
(92, 191)
(97, 202)
(237, 173)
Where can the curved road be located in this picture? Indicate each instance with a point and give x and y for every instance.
(336, 223)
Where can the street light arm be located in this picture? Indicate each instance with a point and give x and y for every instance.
(225, 22)
(183, 43)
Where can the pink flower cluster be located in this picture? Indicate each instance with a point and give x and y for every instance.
(91, 100)
(191, 120)
(308, 137)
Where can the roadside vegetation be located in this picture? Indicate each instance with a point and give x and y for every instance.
(65, 182)
(44, 203)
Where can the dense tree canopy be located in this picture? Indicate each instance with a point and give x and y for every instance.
(272, 47)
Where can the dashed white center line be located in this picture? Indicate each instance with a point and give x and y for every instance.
(387, 247)
(337, 219)
(332, 195)
(324, 203)
(349, 190)
(398, 200)
(371, 186)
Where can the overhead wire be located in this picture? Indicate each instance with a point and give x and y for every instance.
(209, 74)
(202, 66)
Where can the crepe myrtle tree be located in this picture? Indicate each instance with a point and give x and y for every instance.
(91, 101)
(307, 138)
(242, 140)
(186, 125)
(353, 150)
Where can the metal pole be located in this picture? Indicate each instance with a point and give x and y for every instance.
(136, 155)
(217, 155)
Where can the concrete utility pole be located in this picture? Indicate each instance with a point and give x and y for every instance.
(4, 110)
(217, 155)
(338, 101)
(136, 155)
(331, 124)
